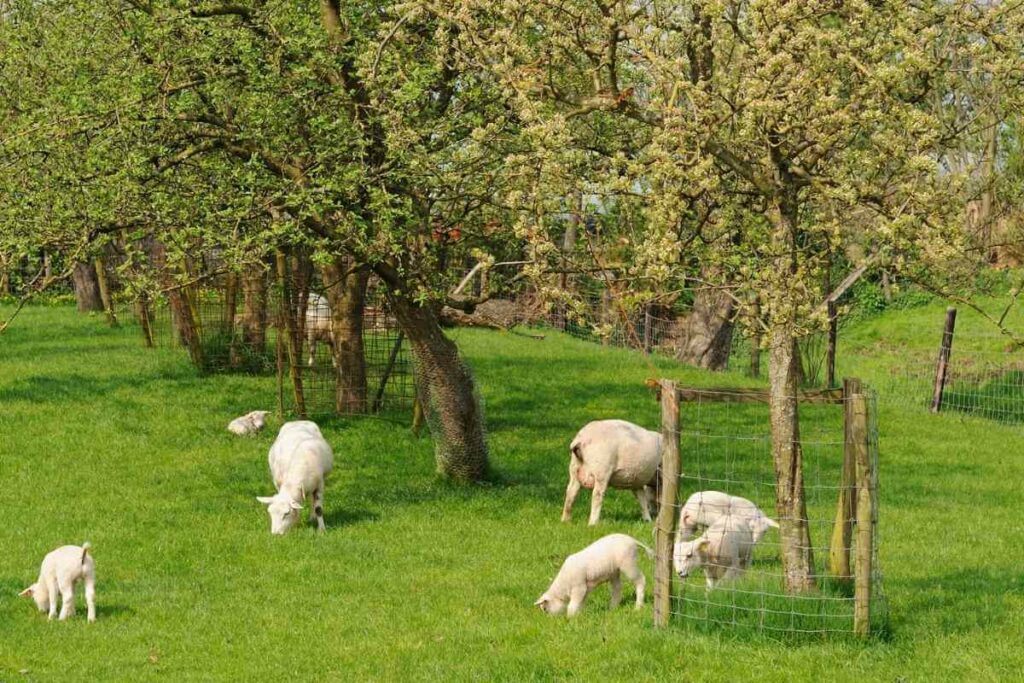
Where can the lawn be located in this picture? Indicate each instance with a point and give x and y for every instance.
(416, 579)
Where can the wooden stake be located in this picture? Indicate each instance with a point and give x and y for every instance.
(862, 586)
(943, 365)
(842, 528)
(378, 400)
(670, 469)
(830, 370)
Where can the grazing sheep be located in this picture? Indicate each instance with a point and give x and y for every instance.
(60, 570)
(318, 325)
(704, 508)
(249, 423)
(299, 460)
(723, 550)
(601, 561)
(613, 453)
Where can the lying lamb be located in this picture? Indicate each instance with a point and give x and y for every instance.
(723, 550)
(601, 561)
(249, 423)
(299, 460)
(613, 453)
(318, 325)
(704, 508)
(60, 570)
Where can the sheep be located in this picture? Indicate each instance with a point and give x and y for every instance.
(60, 570)
(249, 423)
(299, 460)
(613, 453)
(604, 560)
(703, 508)
(724, 551)
(318, 325)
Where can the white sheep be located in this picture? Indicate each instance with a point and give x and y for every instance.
(61, 569)
(299, 460)
(250, 423)
(613, 453)
(704, 508)
(724, 551)
(318, 325)
(603, 560)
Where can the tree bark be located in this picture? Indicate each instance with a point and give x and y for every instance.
(105, 294)
(87, 288)
(346, 294)
(254, 307)
(448, 393)
(5, 275)
(707, 332)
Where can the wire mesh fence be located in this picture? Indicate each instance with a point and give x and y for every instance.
(726, 514)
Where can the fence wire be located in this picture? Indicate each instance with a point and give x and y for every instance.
(726, 447)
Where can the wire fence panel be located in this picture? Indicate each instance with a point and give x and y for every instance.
(726, 452)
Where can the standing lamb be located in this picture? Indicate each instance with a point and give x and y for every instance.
(704, 508)
(613, 453)
(724, 551)
(318, 325)
(61, 569)
(603, 560)
(248, 424)
(299, 459)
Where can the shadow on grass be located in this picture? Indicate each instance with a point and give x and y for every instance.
(342, 517)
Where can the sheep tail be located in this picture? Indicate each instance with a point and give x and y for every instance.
(86, 547)
(650, 553)
(577, 451)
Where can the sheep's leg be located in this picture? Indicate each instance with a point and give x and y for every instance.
(312, 350)
(90, 595)
(616, 591)
(51, 594)
(318, 507)
(600, 486)
(632, 571)
(577, 598)
(645, 506)
(67, 600)
(572, 490)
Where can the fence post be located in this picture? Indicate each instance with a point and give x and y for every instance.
(670, 468)
(842, 528)
(647, 329)
(862, 586)
(943, 365)
(830, 369)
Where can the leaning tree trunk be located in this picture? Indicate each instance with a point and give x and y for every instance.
(453, 408)
(346, 294)
(784, 373)
(87, 287)
(707, 333)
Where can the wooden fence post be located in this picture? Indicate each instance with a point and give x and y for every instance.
(670, 469)
(842, 528)
(862, 586)
(830, 362)
(943, 366)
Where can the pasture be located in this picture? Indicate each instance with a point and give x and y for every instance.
(417, 579)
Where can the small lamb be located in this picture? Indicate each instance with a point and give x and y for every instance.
(613, 453)
(599, 562)
(249, 423)
(60, 570)
(299, 460)
(724, 551)
(318, 325)
(704, 508)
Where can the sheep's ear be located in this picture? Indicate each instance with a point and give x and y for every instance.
(27, 592)
(542, 602)
(266, 500)
(296, 506)
(703, 545)
(771, 522)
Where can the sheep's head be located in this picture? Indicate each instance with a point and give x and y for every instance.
(689, 555)
(258, 418)
(37, 593)
(550, 605)
(284, 512)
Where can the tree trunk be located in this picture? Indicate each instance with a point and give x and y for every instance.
(105, 295)
(87, 288)
(254, 307)
(290, 332)
(784, 373)
(228, 317)
(5, 275)
(707, 332)
(346, 294)
(450, 402)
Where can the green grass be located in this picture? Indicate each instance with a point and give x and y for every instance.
(416, 579)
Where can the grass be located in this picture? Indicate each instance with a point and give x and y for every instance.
(416, 579)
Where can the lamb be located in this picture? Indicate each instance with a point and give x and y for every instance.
(318, 324)
(60, 570)
(723, 550)
(704, 508)
(601, 561)
(299, 460)
(249, 423)
(613, 453)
